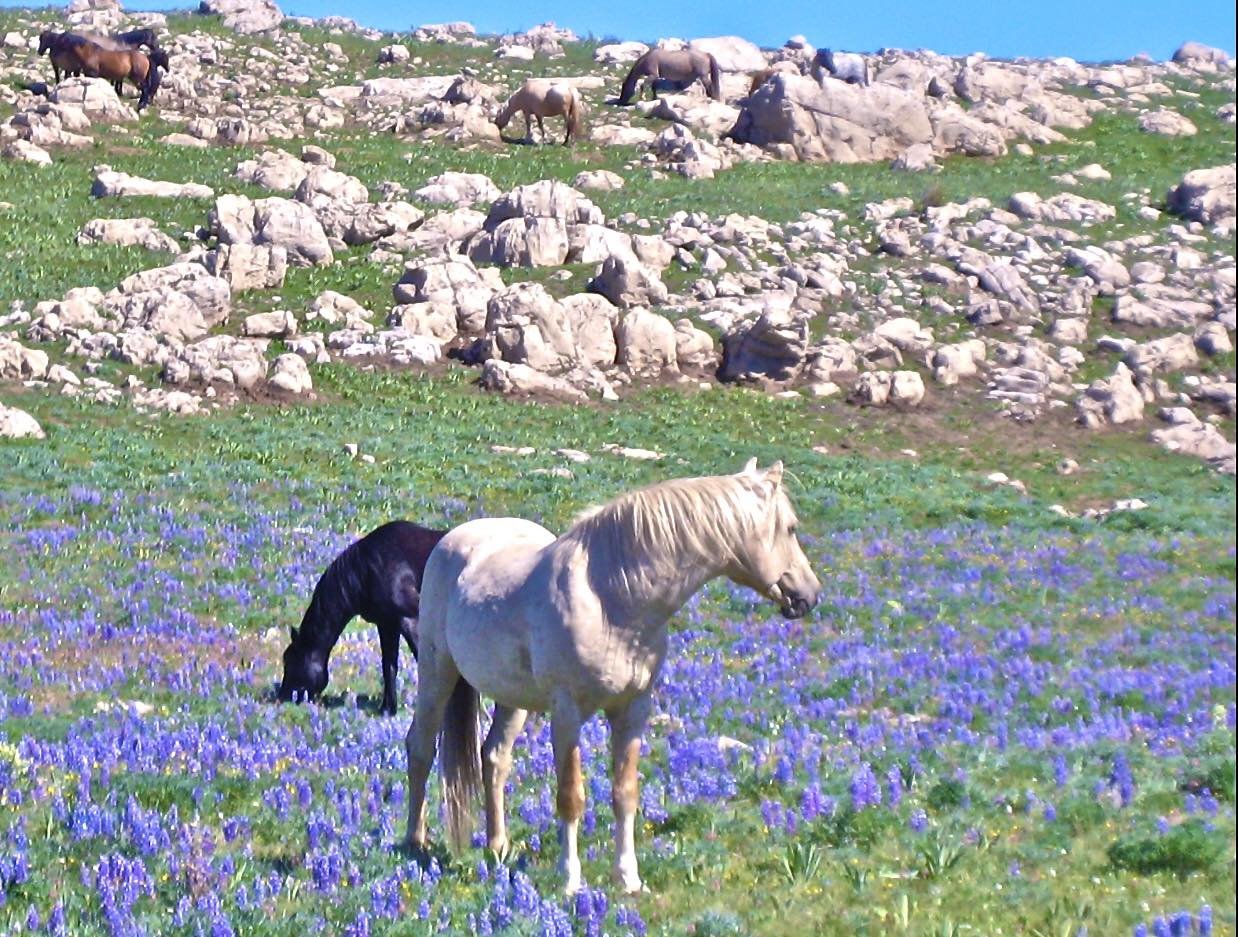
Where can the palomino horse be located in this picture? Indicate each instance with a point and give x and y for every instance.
(577, 624)
(682, 66)
(543, 97)
(378, 578)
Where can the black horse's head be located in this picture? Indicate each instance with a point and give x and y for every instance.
(47, 41)
(305, 672)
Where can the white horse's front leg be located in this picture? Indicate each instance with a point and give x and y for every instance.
(627, 726)
(565, 730)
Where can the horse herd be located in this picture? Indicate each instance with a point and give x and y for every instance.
(662, 69)
(568, 625)
(121, 56)
(115, 58)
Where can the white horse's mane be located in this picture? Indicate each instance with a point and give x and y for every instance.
(711, 516)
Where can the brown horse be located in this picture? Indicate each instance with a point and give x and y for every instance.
(543, 97)
(761, 77)
(682, 66)
(114, 64)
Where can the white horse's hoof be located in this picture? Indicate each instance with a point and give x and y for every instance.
(628, 881)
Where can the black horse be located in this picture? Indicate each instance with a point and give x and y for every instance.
(138, 38)
(379, 578)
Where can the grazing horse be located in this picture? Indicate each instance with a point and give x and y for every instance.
(682, 66)
(577, 624)
(377, 577)
(543, 97)
(850, 67)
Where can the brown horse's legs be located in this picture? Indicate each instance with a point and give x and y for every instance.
(541, 129)
(496, 765)
(565, 731)
(627, 725)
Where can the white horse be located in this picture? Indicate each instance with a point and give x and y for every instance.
(850, 67)
(577, 624)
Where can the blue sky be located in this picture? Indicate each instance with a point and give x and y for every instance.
(1089, 31)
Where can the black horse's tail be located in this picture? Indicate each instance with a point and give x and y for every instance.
(635, 74)
(715, 80)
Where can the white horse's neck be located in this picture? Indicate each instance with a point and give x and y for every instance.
(639, 585)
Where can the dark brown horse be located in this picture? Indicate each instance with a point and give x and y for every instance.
(682, 66)
(59, 48)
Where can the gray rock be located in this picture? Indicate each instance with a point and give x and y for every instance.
(18, 424)
(627, 283)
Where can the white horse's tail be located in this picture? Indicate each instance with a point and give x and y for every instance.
(460, 761)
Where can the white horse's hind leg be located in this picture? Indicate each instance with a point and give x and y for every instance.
(436, 680)
(627, 725)
(565, 730)
(496, 765)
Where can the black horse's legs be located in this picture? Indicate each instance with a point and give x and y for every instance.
(408, 628)
(389, 641)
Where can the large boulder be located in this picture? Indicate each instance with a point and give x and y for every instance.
(837, 122)
(1196, 54)
(531, 225)
(458, 188)
(285, 223)
(521, 242)
(110, 183)
(210, 294)
(528, 327)
(19, 363)
(453, 281)
(627, 283)
(647, 344)
(1115, 399)
(273, 169)
(593, 319)
(18, 424)
(732, 53)
(773, 347)
(521, 380)
(244, 16)
(95, 97)
(127, 232)
(249, 266)
(1205, 195)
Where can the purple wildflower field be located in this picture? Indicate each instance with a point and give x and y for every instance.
(958, 736)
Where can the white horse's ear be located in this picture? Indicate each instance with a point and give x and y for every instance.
(773, 476)
(750, 467)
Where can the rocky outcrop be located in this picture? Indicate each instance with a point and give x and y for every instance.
(795, 117)
(244, 16)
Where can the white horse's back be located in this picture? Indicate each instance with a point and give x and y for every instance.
(470, 603)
